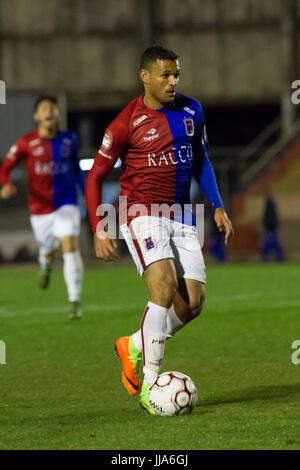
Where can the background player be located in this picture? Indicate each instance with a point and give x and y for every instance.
(160, 137)
(53, 171)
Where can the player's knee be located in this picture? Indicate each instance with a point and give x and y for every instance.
(50, 257)
(168, 289)
(195, 308)
(164, 291)
(69, 244)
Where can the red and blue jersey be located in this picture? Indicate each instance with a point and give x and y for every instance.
(52, 168)
(160, 151)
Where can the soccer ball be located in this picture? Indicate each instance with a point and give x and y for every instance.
(173, 393)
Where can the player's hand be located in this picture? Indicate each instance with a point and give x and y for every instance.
(105, 248)
(8, 190)
(224, 224)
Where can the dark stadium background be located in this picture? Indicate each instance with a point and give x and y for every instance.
(238, 58)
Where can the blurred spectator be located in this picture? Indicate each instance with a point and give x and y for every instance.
(217, 247)
(270, 243)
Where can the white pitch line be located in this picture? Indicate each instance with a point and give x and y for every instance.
(8, 312)
(260, 301)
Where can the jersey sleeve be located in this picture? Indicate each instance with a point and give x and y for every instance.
(11, 159)
(114, 145)
(203, 169)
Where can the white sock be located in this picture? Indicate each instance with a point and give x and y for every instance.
(173, 325)
(137, 340)
(153, 333)
(73, 272)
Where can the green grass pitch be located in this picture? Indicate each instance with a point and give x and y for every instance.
(61, 387)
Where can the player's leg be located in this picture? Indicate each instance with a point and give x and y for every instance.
(46, 261)
(146, 249)
(161, 281)
(67, 227)
(191, 274)
(187, 304)
(277, 248)
(73, 273)
(73, 268)
(189, 299)
(42, 226)
(265, 248)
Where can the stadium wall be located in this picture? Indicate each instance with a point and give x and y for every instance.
(91, 48)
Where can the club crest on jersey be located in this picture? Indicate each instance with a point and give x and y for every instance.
(189, 126)
(149, 243)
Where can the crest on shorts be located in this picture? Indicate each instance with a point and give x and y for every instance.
(189, 126)
(149, 243)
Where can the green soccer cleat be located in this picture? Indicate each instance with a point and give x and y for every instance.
(144, 399)
(44, 275)
(75, 311)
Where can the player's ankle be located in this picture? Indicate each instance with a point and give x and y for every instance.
(136, 340)
(149, 376)
(46, 267)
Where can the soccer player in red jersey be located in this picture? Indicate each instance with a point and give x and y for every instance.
(54, 175)
(160, 137)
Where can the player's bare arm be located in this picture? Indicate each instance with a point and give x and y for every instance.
(224, 224)
(106, 249)
(8, 190)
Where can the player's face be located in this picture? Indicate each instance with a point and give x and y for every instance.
(161, 80)
(47, 114)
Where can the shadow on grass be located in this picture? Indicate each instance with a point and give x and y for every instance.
(267, 392)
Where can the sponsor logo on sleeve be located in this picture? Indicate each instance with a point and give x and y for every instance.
(139, 120)
(104, 154)
(107, 140)
(12, 152)
(189, 110)
(106, 144)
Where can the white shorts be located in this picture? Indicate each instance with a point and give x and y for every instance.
(48, 229)
(151, 239)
